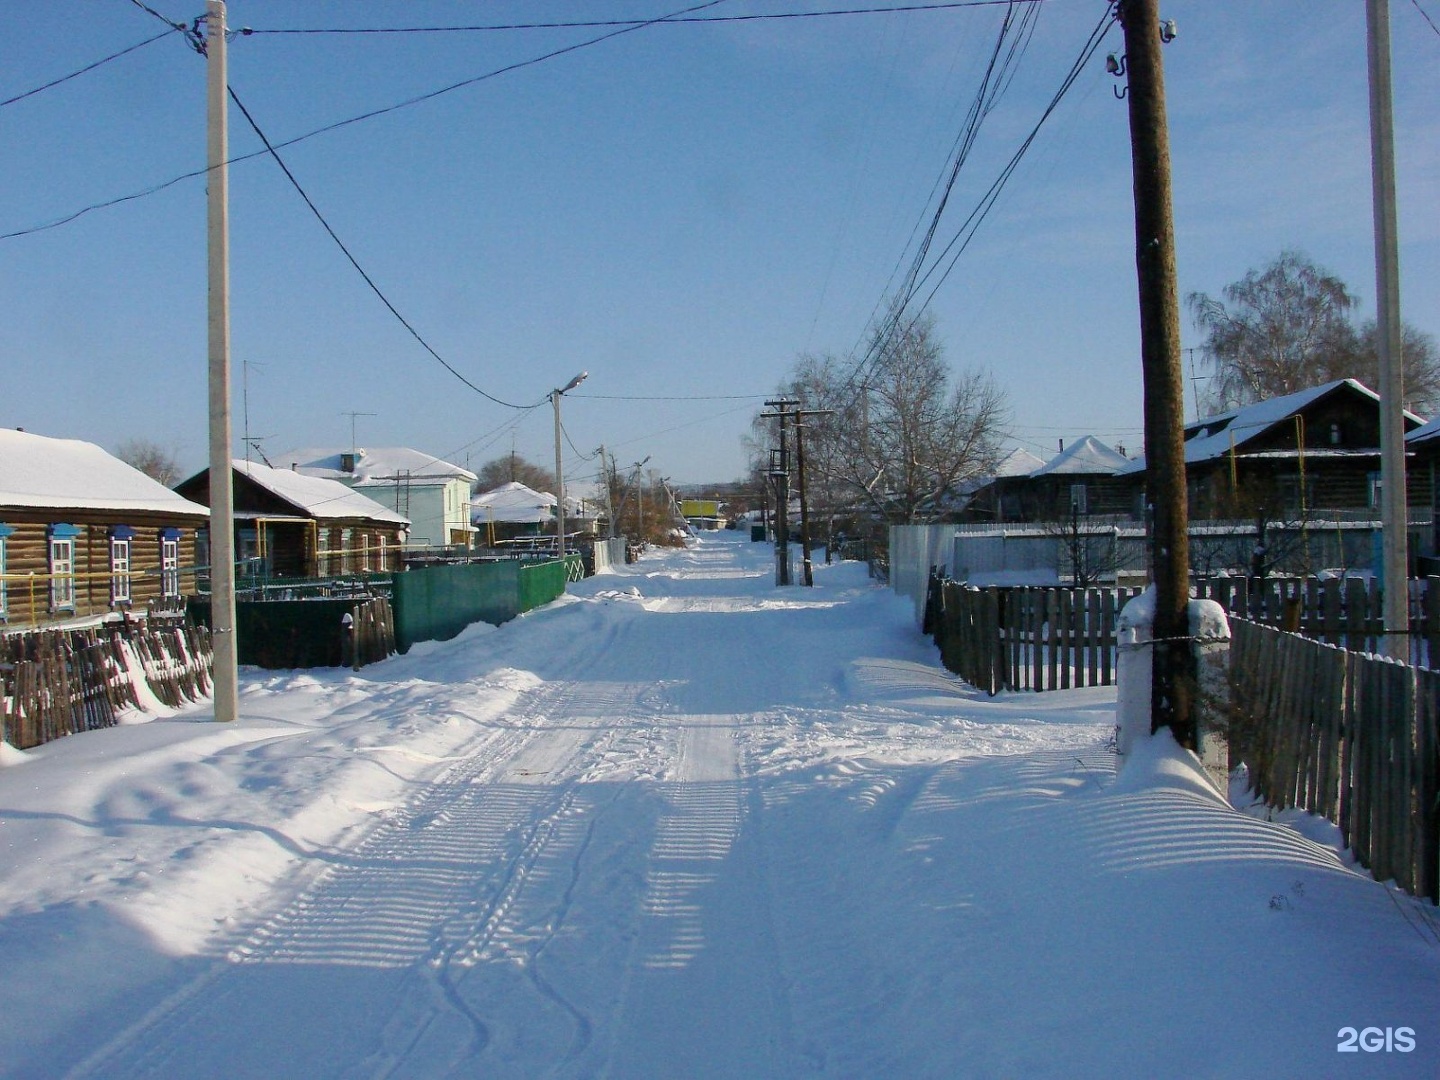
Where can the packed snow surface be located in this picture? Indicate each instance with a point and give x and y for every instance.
(681, 823)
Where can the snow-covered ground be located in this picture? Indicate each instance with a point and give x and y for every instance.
(680, 823)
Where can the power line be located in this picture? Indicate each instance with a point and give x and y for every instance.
(678, 20)
(90, 67)
(995, 80)
(987, 202)
(676, 397)
(1426, 15)
(958, 243)
(431, 95)
(360, 269)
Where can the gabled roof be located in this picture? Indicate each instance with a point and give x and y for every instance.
(1084, 457)
(317, 497)
(37, 472)
(1018, 462)
(1213, 437)
(384, 463)
(513, 502)
(1425, 432)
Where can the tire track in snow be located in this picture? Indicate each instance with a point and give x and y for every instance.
(462, 877)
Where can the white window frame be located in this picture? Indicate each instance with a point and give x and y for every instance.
(322, 552)
(365, 553)
(60, 556)
(1079, 499)
(169, 567)
(121, 560)
(384, 554)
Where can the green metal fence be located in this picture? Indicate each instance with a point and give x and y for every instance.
(434, 603)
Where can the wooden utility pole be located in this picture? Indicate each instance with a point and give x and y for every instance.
(780, 481)
(1393, 513)
(1172, 682)
(222, 492)
(806, 562)
(807, 571)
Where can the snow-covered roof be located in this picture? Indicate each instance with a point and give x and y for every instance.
(1425, 432)
(1213, 437)
(513, 502)
(384, 463)
(1018, 462)
(317, 497)
(1084, 457)
(38, 472)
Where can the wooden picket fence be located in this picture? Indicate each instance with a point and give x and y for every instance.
(1026, 638)
(59, 682)
(1348, 612)
(1349, 736)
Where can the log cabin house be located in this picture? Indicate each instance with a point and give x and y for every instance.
(1313, 451)
(289, 525)
(86, 537)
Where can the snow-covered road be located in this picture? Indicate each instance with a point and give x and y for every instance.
(679, 824)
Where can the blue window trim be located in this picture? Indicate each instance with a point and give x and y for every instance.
(121, 532)
(169, 534)
(61, 531)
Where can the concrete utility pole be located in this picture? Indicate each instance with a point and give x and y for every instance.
(555, 396)
(222, 493)
(606, 472)
(1393, 513)
(1171, 703)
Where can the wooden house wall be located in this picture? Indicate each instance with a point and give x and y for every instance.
(1048, 497)
(345, 542)
(1330, 484)
(27, 551)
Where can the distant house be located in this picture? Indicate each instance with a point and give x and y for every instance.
(998, 497)
(512, 511)
(1423, 472)
(1290, 456)
(433, 495)
(84, 535)
(289, 525)
(1087, 479)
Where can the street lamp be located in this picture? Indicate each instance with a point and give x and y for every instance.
(555, 396)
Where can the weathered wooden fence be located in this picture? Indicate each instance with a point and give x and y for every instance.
(1025, 638)
(1339, 611)
(58, 682)
(372, 632)
(1348, 736)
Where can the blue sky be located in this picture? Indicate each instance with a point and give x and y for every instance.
(680, 211)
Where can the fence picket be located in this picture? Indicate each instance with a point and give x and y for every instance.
(58, 683)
